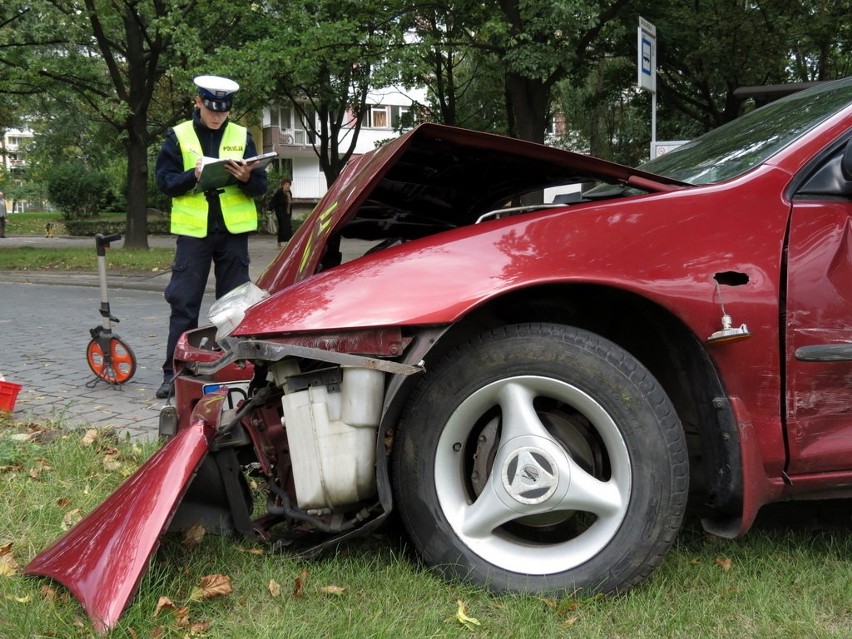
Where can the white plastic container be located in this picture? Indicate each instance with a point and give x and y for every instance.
(333, 460)
(362, 394)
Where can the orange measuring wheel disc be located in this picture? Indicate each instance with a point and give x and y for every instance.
(123, 361)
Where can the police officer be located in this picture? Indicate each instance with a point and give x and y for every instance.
(212, 226)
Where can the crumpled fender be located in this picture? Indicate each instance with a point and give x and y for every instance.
(101, 560)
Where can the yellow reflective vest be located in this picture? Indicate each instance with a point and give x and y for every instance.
(189, 212)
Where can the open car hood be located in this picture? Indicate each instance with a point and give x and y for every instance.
(426, 177)
(435, 178)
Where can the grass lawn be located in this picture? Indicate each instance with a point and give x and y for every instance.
(30, 258)
(33, 223)
(787, 580)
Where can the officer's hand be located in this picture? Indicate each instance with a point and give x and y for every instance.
(238, 169)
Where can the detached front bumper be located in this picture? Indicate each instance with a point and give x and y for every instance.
(102, 559)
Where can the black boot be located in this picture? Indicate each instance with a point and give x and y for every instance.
(164, 390)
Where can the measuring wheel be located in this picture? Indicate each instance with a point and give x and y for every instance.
(109, 357)
(117, 365)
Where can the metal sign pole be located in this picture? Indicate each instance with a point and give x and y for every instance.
(653, 125)
(647, 58)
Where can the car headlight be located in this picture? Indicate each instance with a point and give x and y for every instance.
(230, 309)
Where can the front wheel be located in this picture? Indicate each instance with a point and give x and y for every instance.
(541, 458)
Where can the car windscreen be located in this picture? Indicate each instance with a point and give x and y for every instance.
(740, 145)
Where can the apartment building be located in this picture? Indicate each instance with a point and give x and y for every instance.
(283, 132)
(14, 148)
(13, 159)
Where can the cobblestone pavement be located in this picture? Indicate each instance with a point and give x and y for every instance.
(44, 330)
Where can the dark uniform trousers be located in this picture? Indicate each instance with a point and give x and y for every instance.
(191, 268)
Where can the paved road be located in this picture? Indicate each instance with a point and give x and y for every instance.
(44, 330)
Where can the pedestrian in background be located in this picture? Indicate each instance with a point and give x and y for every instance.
(282, 205)
(2, 215)
(212, 226)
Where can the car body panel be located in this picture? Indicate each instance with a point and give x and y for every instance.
(819, 307)
(103, 557)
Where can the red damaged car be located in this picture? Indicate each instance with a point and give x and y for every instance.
(539, 391)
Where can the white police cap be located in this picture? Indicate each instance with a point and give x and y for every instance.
(216, 92)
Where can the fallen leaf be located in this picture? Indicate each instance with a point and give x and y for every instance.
(49, 593)
(461, 616)
(252, 551)
(163, 603)
(724, 563)
(90, 437)
(111, 461)
(182, 616)
(274, 588)
(333, 590)
(8, 565)
(13, 468)
(22, 599)
(71, 518)
(181, 613)
(63, 502)
(570, 621)
(193, 535)
(39, 468)
(211, 586)
(299, 583)
(198, 627)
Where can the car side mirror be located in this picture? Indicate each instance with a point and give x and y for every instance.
(834, 178)
(846, 161)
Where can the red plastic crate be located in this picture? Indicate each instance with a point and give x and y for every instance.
(8, 395)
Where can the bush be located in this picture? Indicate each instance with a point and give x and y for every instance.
(77, 193)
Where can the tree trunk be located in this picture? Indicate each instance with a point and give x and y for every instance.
(136, 235)
(529, 100)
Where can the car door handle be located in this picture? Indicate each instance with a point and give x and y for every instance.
(825, 353)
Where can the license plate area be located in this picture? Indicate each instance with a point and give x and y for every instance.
(237, 391)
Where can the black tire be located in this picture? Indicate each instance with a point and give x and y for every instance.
(541, 458)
